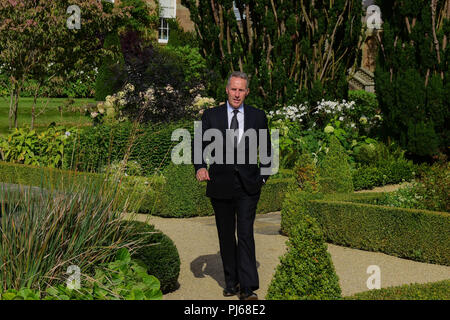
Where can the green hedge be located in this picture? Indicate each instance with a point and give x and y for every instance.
(355, 220)
(158, 253)
(429, 291)
(184, 196)
(306, 271)
(383, 173)
(97, 146)
(177, 194)
(407, 233)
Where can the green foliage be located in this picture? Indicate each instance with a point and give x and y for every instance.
(183, 195)
(149, 194)
(79, 221)
(122, 279)
(425, 291)
(194, 65)
(379, 165)
(306, 271)
(109, 76)
(40, 149)
(97, 146)
(179, 37)
(411, 77)
(291, 49)
(431, 191)
(295, 205)
(158, 253)
(419, 235)
(305, 172)
(334, 170)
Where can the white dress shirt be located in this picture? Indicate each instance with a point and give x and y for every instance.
(239, 116)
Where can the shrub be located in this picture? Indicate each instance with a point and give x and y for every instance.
(439, 290)
(434, 187)
(305, 172)
(46, 230)
(109, 76)
(306, 271)
(334, 170)
(158, 253)
(41, 149)
(419, 235)
(97, 146)
(121, 279)
(183, 195)
(295, 204)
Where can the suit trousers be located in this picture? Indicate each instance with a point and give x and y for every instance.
(238, 257)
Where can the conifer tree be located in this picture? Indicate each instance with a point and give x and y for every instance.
(291, 49)
(412, 77)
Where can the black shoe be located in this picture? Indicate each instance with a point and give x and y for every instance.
(229, 292)
(247, 294)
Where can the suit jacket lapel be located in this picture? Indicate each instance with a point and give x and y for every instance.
(223, 118)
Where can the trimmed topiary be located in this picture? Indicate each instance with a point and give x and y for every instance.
(295, 204)
(158, 253)
(306, 271)
(334, 171)
(183, 195)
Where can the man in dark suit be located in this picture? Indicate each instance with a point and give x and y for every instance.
(234, 186)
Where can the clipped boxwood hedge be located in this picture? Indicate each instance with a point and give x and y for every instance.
(439, 290)
(158, 253)
(354, 220)
(184, 196)
(97, 146)
(406, 233)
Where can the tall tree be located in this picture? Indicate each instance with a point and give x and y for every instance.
(36, 42)
(292, 49)
(412, 78)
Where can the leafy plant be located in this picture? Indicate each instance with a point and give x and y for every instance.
(306, 271)
(40, 149)
(47, 230)
(121, 279)
(334, 170)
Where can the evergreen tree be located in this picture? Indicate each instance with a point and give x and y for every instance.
(306, 271)
(412, 76)
(293, 50)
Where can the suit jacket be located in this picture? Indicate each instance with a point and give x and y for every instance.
(221, 175)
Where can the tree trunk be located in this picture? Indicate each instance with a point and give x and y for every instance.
(33, 108)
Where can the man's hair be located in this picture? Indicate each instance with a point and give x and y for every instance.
(238, 74)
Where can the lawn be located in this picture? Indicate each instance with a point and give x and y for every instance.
(51, 113)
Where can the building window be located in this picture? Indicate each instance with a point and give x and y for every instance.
(163, 34)
(168, 10)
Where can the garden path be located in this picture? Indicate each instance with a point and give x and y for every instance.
(201, 275)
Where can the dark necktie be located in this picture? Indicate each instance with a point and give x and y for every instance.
(234, 126)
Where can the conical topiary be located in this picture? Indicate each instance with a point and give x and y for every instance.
(334, 171)
(306, 271)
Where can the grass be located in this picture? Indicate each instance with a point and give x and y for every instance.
(50, 114)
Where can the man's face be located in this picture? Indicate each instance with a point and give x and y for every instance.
(237, 91)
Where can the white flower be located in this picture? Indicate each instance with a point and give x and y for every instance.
(67, 133)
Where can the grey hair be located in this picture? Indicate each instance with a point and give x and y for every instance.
(238, 74)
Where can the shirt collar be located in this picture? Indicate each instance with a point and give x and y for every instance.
(230, 108)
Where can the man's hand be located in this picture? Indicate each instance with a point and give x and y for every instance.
(202, 174)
